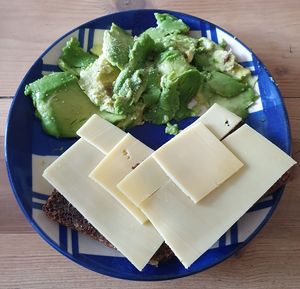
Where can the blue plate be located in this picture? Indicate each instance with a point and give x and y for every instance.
(29, 150)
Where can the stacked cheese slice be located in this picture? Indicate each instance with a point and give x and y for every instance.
(188, 193)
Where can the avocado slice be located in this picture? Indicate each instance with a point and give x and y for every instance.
(134, 118)
(142, 48)
(185, 44)
(97, 82)
(130, 92)
(74, 58)
(165, 109)
(171, 62)
(225, 85)
(187, 85)
(112, 117)
(238, 104)
(153, 90)
(170, 23)
(60, 103)
(116, 45)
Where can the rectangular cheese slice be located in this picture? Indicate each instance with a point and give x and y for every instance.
(69, 175)
(191, 229)
(219, 120)
(101, 133)
(119, 162)
(196, 161)
(148, 177)
(143, 181)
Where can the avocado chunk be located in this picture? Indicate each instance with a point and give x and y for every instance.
(74, 58)
(187, 85)
(210, 56)
(60, 103)
(116, 45)
(167, 25)
(225, 85)
(134, 118)
(142, 48)
(130, 92)
(171, 62)
(165, 109)
(172, 129)
(170, 23)
(97, 82)
(177, 70)
(238, 104)
(185, 44)
(153, 90)
(112, 117)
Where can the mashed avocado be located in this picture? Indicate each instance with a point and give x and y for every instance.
(97, 82)
(163, 74)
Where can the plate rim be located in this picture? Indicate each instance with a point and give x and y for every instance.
(121, 275)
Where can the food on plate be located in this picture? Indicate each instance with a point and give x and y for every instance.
(60, 104)
(58, 209)
(155, 183)
(175, 201)
(163, 74)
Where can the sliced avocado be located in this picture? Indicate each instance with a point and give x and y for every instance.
(153, 90)
(225, 85)
(172, 62)
(187, 85)
(60, 103)
(170, 23)
(156, 34)
(177, 72)
(112, 117)
(124, 74)
(97, 82)
(167, 25)
(184, 43)
(216, 60)
(74, 58)
(165, 109)
(116, 45)
(143, 46)
(130, 92)
(134, 118)
(210, 56)
(238, 104)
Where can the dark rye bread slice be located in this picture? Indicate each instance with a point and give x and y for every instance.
(58, 209)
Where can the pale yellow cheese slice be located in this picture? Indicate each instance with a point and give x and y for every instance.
(148, 177)
(69, 175)
(219, 120)
(101, 133)
(191, 229)
(120, 161)
(143, 181)
(196, 161)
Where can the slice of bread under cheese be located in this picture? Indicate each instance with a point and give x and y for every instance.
(83, 214)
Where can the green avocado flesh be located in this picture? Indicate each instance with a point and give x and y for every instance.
(60, 104)
(160, 76)
(74, 58)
